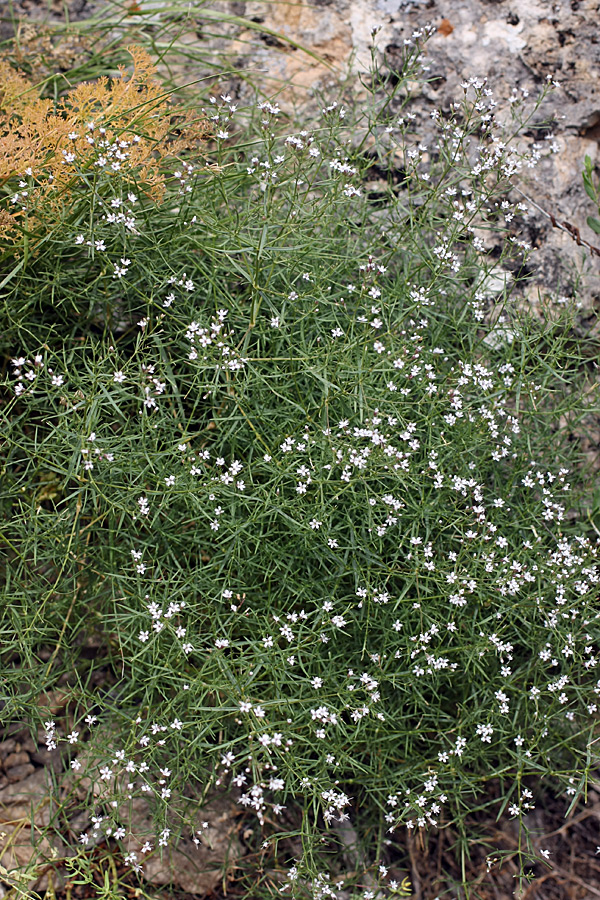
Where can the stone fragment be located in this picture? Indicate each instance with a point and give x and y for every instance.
(26, 847)
(195, 869)
(18, 773)
(21, 797)
(7, 747)
(15, 759)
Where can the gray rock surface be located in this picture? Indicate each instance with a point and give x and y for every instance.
(25, 846)
(196, 868)
(197, 864)
(510, 43)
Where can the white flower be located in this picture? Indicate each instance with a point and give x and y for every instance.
(485, 732)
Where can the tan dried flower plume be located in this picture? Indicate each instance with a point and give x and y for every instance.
(55, 146)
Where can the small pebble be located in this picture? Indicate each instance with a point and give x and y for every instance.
(16, 759)
(18, 773)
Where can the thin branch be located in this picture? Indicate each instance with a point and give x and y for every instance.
(565, 226)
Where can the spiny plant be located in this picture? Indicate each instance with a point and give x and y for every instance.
(279, 449)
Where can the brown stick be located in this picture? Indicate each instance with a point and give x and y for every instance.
(565, 226)
(586, 814)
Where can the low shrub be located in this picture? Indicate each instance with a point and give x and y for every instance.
(290, 488)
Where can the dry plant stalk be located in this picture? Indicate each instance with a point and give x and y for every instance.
(125, 126)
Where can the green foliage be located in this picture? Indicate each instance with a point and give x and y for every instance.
(290, 497)
(592, 192)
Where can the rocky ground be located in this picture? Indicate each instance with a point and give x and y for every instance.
(512, 44)
(41, 820)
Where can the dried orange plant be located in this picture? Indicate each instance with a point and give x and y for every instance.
(124, 126)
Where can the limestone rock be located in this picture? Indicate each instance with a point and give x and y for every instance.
(194, 868)
(25, 850)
